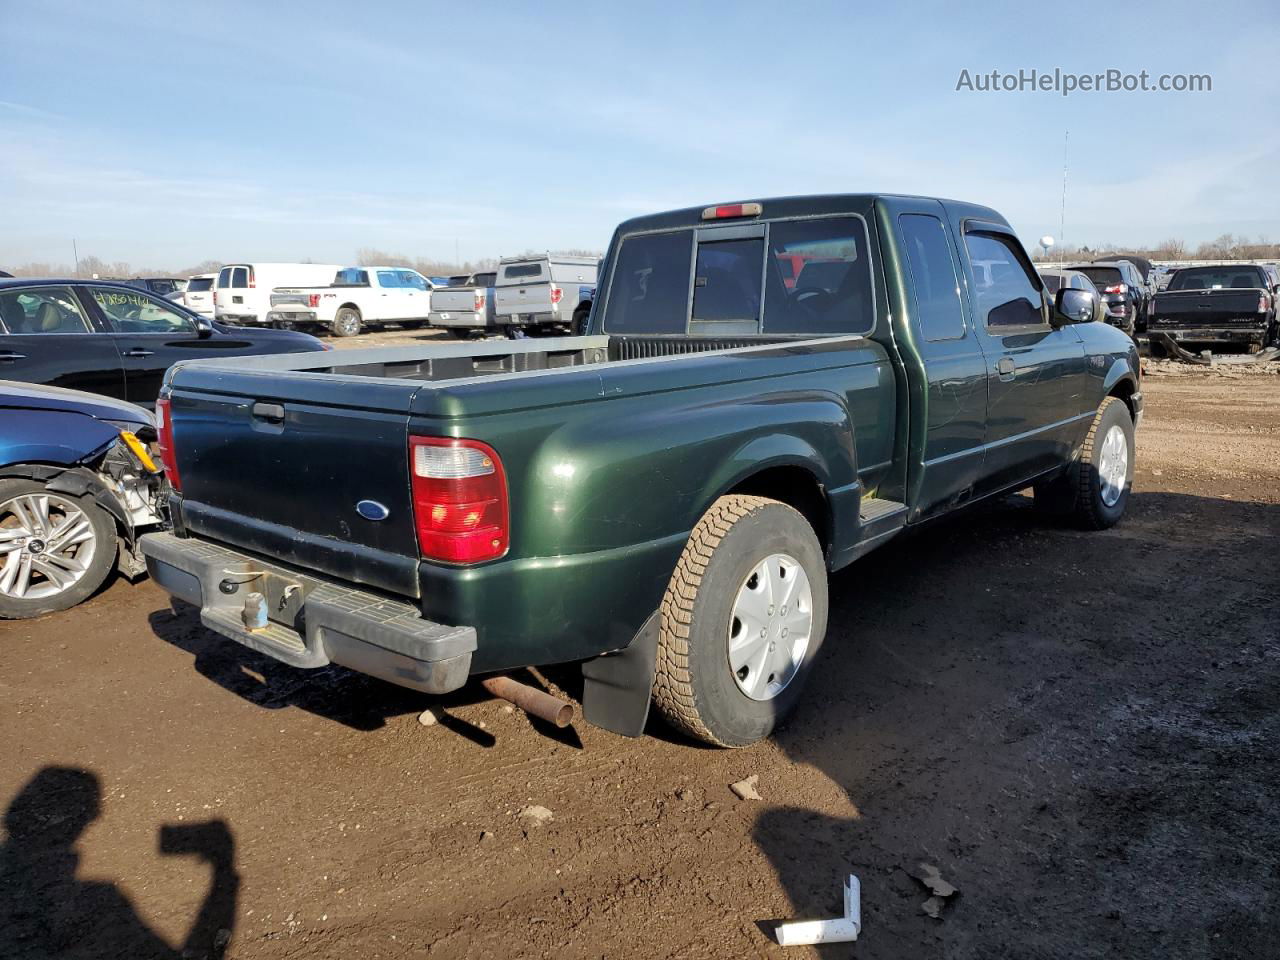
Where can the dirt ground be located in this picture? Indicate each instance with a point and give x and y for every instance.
(1078, 730)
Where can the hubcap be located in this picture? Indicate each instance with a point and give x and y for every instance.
(46, 546)
(770, 627)
(1113, 465)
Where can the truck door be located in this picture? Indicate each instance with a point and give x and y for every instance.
(393, 299)
(952, 402)
(1033, 368)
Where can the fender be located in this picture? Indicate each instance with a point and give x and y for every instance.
(53, 437)
(80, 482)
(1120, 369)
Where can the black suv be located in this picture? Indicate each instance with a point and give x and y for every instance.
(1124, 293)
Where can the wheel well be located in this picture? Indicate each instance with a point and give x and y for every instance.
(1125, 390)
(350, 306)
(797, 488)
(583, 305)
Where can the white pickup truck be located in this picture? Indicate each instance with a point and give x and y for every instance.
(359, 297)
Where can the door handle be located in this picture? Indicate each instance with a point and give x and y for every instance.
(1006, 368)
(8, 356)
(139, 352)
(271, 412)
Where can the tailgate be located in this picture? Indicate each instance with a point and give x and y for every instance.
(453, 299)
(1206, 307)
(533, 297)
(276, 464)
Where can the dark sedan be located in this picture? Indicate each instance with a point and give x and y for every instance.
(114, 339)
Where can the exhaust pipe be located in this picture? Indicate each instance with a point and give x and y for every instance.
(530, 699)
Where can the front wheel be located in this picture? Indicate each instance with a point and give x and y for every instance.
(1104, 473)
(55, 549)
(741, 623)
(346, 322)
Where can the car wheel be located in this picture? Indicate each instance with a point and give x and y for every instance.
(55, 549)
(346, 322)
(580, 318)
(1103, 475)
(743, 618)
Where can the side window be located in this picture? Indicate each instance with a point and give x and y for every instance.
(935, 286)
(649, 292)
(240, 277)
(1004, 292)
(411, 280)
(224, 278)
(818, 279)
(48, 310)
(137, 313)
(389, 278)
(726, 280)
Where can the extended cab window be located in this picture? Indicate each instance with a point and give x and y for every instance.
(48, 310)
(138, 313)
(1004, 292)
(934, 283)
(818, 279)
(649, 292)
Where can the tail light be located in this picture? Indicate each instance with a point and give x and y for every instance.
(480, 298)
(460, 505)
(1117, 288)
(252, 282)
(313, 300)
(556, 293)
(164, 431)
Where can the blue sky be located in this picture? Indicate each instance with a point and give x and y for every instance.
(287, 130)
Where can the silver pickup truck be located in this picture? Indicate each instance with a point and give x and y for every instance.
(545, 292)
(465, 307)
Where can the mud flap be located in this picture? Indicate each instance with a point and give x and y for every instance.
(616, 687)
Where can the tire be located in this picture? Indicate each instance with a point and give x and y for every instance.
(20, 500)
(1094, 474)
(412, 324)
(347, 322)
(696, 687)
(580, 317)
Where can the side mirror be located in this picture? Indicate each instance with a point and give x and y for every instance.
(1074, 306)
(204, 329)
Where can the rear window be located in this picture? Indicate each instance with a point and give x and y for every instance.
(1051, 281)
(816, 280)
(518, 271)
(1102, 277)
(461, 281)
(649, 292)
(224, 277)
(163, 287)
(486, 279)
(200, 285)
(1211, 278)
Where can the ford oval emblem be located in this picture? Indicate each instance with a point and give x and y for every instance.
(372, 510)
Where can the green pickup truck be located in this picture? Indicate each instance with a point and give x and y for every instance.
(765, 392)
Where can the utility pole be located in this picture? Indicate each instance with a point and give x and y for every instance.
(457, 262)
(1062, 220)
(76, 254)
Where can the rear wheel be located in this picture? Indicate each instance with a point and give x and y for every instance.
(346, 322)
(55, 549)
(580, 317)
(742, 621)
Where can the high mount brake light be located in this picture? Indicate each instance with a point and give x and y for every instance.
(164, 431)
(729, 210)
(460, 504)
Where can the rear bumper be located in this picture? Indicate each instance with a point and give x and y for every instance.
(1212, 334)
(241, 319)
(312, 622)
(461, 318)
(292, 316)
